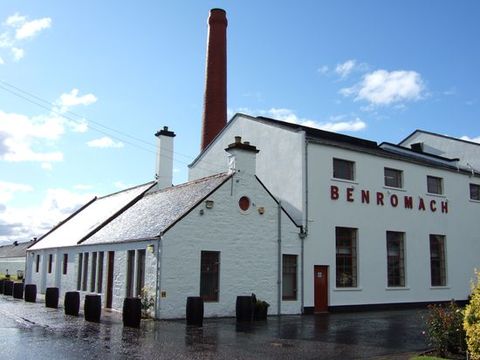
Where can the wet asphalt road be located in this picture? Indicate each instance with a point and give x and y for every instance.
(32, 331)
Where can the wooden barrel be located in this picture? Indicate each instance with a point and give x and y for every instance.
(18, 290)
(31, 293)
(51, 297)
(194, 310)
(8, 287)
(92, 307)
(132, 312)
(71, 303)
(244, 308)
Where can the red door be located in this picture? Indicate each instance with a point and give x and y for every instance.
(320, 274)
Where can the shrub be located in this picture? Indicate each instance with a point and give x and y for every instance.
(445, 329)
(147, 301)
(471, 322)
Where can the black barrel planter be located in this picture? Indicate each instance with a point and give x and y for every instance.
(245, 308)
(72, 303)
(30, 293)
(1, 286)
(195, 310)
(8, 287)
(18, 290)
(132, 312)
(92, 307)
(51, 297)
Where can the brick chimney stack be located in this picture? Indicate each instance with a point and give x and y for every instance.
(215, 100)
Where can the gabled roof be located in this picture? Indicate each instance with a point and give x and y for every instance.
(157, 211)
(419, 131)
(90, 218)
(12, 250)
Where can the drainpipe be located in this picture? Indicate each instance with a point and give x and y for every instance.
(279, 268)
(304, 231)
(302, 236)
(158, 282)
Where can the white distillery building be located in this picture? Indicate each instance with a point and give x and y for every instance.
(385, 224)
(218, 237)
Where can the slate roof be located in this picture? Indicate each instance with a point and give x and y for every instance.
(12, 251)
(157, 211)
(89, 218)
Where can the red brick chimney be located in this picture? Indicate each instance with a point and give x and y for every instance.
(215, 100)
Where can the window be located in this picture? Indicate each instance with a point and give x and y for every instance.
(289, 277)
(65, 263)
(343, 169)
(346, 257)
(395, 259)
(100, 272)
(140, 271)
(80, 271)
(50, 263)
(474, 192)
(93, 272)
(37, 264)
(209, 275)
(85, 272)
(130, 270)
(437, 260)
(393, 178)
(434, 185)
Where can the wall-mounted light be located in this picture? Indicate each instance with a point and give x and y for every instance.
(201, 212)
(209, 204)
(150, 248)
(261, 210)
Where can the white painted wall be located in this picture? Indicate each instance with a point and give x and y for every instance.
(12, 264)
(460, 226)
(247, 242)
(282, 177)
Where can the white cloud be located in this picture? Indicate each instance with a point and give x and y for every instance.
(71, 99)
(323, 69)
(1, 61)
(31, 28)
(345, 69)
(105, 142)
(15, 20)
(46, 166)
(336, 124)
(475, 139)
(8, 189)
(82, 187)
(78, 126)
(17, 53)
(121, 185)
(384, 88)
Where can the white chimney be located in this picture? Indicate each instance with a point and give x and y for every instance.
(242, 157)
(164, 170)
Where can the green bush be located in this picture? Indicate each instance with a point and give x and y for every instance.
(471, 321)
(445, 331)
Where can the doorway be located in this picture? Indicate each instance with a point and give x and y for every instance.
(111, 261)
(320, 274)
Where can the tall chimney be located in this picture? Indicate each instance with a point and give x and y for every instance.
(164, 171)
(215, 100)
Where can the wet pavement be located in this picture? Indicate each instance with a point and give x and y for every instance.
(32, 331)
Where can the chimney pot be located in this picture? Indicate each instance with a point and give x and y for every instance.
(238, 139)
(246, 142)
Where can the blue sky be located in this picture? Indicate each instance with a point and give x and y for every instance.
(84, 85)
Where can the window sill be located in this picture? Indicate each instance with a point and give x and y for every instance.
(291, 300)
(353, 182)
(474, 201)
(443, 196)
(440, 287)
(398, 288)
(394, 188)
(348, 289)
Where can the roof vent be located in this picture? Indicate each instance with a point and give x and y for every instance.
(418, 147)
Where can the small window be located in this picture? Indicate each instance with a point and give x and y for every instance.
(437, 260)
(346, 257)
(434, 185)
(100, 272)
(209, 275)
(130, 272)
(93, 272)
(244, 203)
(37, 264)
(80, 271)
(474, 192)
(289, 278)
(65, 263)
(393, 178)
(50, 263)
(395, 259)
(343, 169)
(85, 272)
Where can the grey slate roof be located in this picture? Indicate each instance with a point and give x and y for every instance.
(89, 218)
(157, 211)
(12, 251)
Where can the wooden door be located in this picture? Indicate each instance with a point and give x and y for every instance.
(111, 261)
(320, 274)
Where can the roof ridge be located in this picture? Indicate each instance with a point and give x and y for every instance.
(124, 190)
